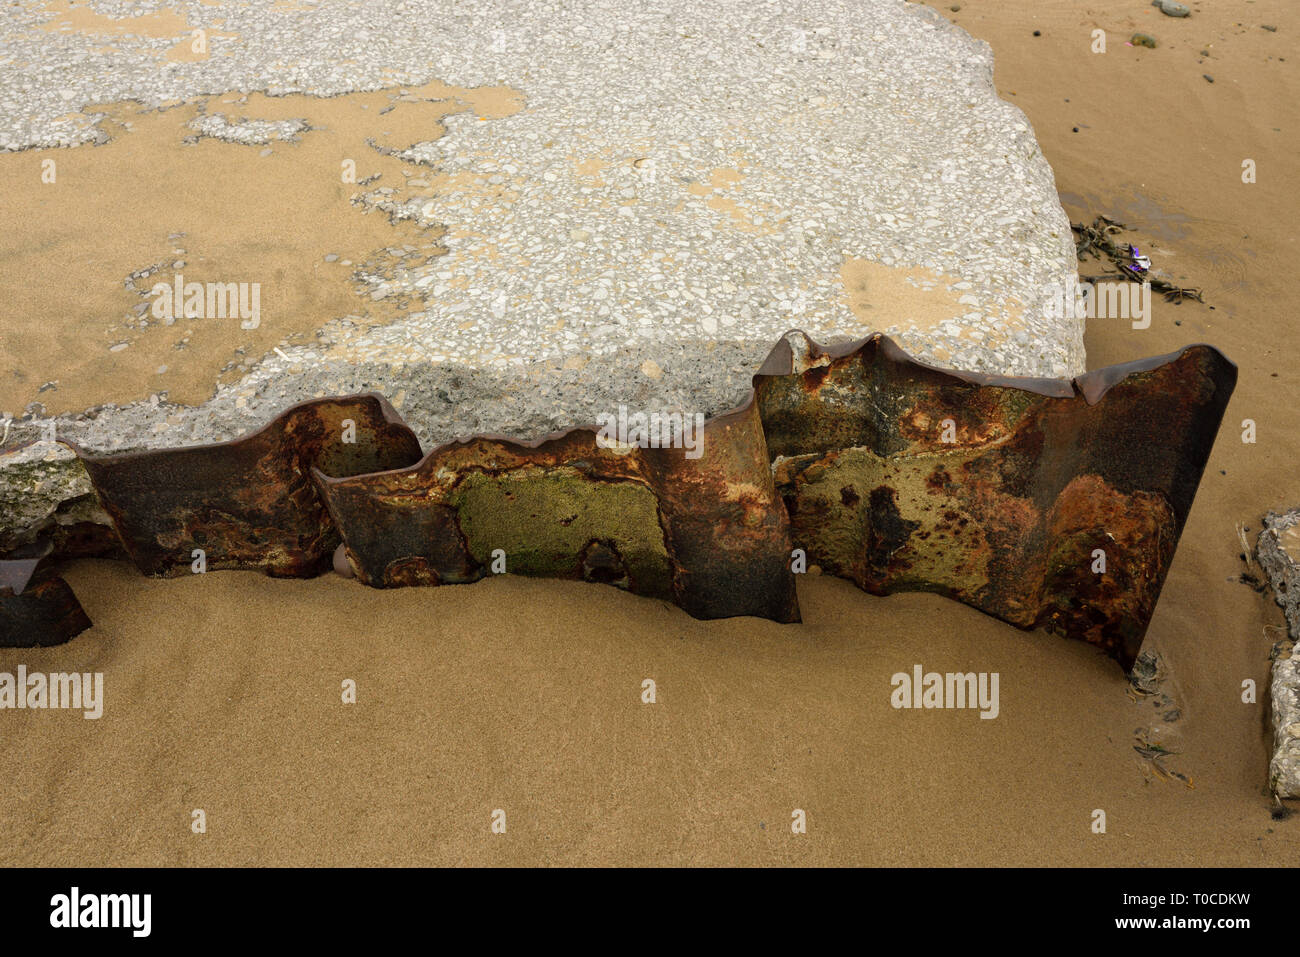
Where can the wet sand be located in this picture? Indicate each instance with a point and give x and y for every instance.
(223, 691)
(160, 199)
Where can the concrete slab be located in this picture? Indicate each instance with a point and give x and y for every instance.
(684, 183)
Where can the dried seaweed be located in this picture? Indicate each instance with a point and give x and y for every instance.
(1097, 240)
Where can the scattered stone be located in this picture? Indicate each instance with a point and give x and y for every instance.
(248, 132)
(1145, 677)
(1172, 8)
(1269, 27)
(1208, 77)
(1147, 681)
(1143, 40)
(651, 369)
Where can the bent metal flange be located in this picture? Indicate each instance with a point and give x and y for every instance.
(36, 606)
(1044, 502)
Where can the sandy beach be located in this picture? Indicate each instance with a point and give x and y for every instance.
(224, 691)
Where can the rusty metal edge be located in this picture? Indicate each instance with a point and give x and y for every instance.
(788, 613)
(1092, 385)
(523, 443)
(391, 417)
(271, 435)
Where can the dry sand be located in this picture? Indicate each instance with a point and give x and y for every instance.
(223, 691)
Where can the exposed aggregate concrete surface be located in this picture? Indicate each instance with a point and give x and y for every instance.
(685, 183)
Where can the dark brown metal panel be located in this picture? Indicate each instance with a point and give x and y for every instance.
(999, 492)
(249, 503)
(708, 533)
(37, 608)
(725, 523)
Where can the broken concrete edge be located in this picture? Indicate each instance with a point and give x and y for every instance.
(793, 350)
(45, 486)
(1282, 569)
(1283, 573)
(1284, 691)
(390, 416)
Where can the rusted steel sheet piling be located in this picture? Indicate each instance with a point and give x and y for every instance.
(1044, 502)
(249, 503)
(708, 533)
(1051, 503)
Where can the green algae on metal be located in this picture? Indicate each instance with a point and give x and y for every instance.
(551, 522)
(708, 533)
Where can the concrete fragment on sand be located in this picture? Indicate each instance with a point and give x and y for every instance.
(1278, 551)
